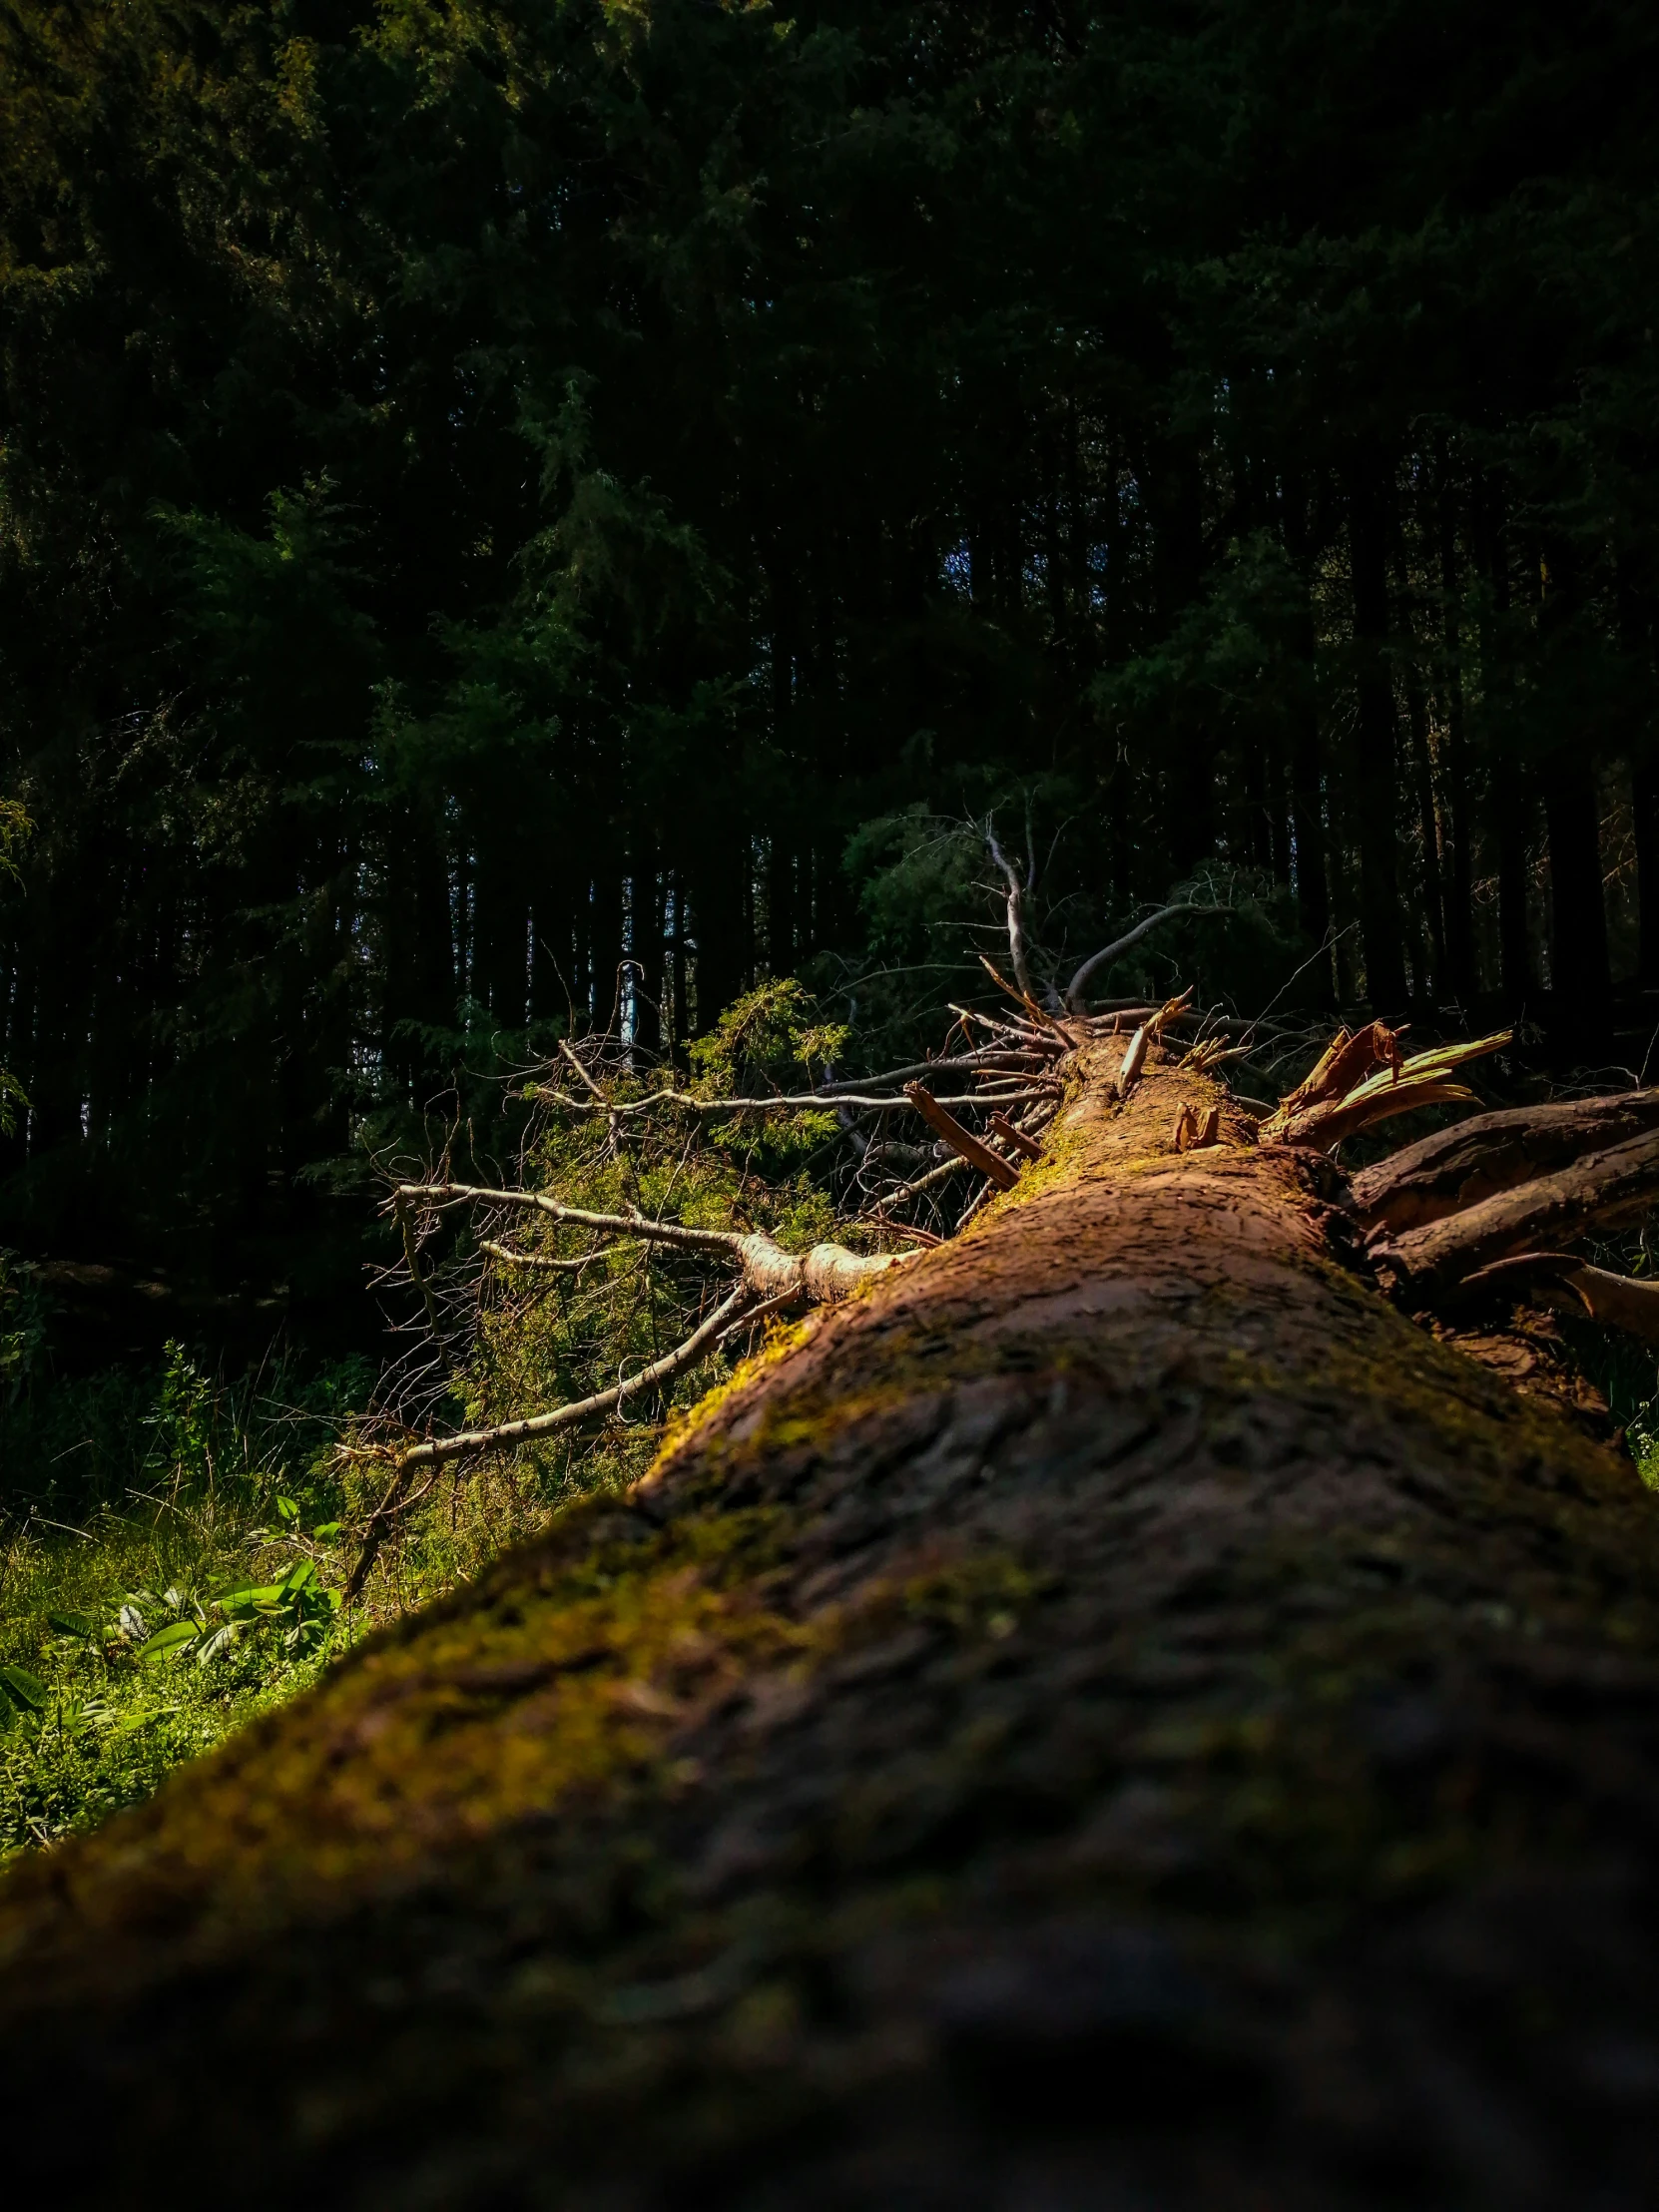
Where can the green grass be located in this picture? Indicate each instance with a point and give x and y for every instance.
(131, 1504)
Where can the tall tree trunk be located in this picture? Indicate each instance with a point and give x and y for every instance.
(1117, 1715)
(1178, 567)
(1428, 830)
(1580, 983)
(1312, 889)
(1580, 980)
(1461, 973)
(1508, 780)
(1644, 791)
(1375, 735)
(1635, 615)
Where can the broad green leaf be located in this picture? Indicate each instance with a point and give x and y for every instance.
(173, 1638)
(250, 1597)
(286, 1509)
(25, 1690)
(74, 1624)
(326, 1531)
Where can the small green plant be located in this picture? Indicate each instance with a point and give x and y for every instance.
(299, 1608)
(22, 1323)
(130, 1496)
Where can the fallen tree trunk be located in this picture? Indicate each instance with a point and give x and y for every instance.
(1114, 1714)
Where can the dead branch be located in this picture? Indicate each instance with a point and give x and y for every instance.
(991, 1057)
(1018, 950)
(960, 1140)
(1626, 1301)
(782, 1102)
(508, 1435)
(1074, 991)
(826, 1273)
(1045, 1040)
(541, 1264)
(1005, 1129)
(1044, 1021)
(1455, 1168)
(417, 1274)
(881, 1217)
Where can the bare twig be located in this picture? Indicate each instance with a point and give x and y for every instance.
(1018, 950)
(412, 1257)
(506, 1434)
(540, 1262)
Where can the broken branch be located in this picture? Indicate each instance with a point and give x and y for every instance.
(960, 1140)
(1016, 1137)
(1119, 945)
(512, 1432)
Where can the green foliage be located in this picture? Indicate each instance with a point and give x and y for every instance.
(493, 499)
(773, 1036)
(22, 1323)
(156, 1489)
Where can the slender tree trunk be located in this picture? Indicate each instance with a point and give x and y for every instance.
(1178, 562)
(780, 906)
(1374, 737)
(645, 944)
(1118, 1715)
(1508, 780)
(1306, 795)
(1581, 983)
(1644, 790)
(1579, 977)
(1459, 910)
(1642, 749)
(1428, 830)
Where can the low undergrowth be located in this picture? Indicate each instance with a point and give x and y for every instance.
(168, 1548)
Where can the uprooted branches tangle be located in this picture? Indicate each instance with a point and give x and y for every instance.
(1490, 1210)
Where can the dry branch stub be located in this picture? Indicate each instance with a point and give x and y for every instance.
(961, 1141)
(1117, 1714)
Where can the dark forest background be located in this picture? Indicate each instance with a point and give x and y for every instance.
(502, 496)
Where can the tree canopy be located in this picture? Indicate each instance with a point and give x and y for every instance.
(526, 514)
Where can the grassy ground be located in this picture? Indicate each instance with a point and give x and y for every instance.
(172, 1548)
(167, 1546)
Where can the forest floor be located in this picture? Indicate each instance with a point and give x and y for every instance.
(172, 1548)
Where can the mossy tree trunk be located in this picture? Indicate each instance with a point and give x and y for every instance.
(1116, 1715)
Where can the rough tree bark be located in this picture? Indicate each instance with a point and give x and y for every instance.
(1116, 1715)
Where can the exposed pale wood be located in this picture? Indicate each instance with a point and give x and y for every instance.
(826, 1273)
